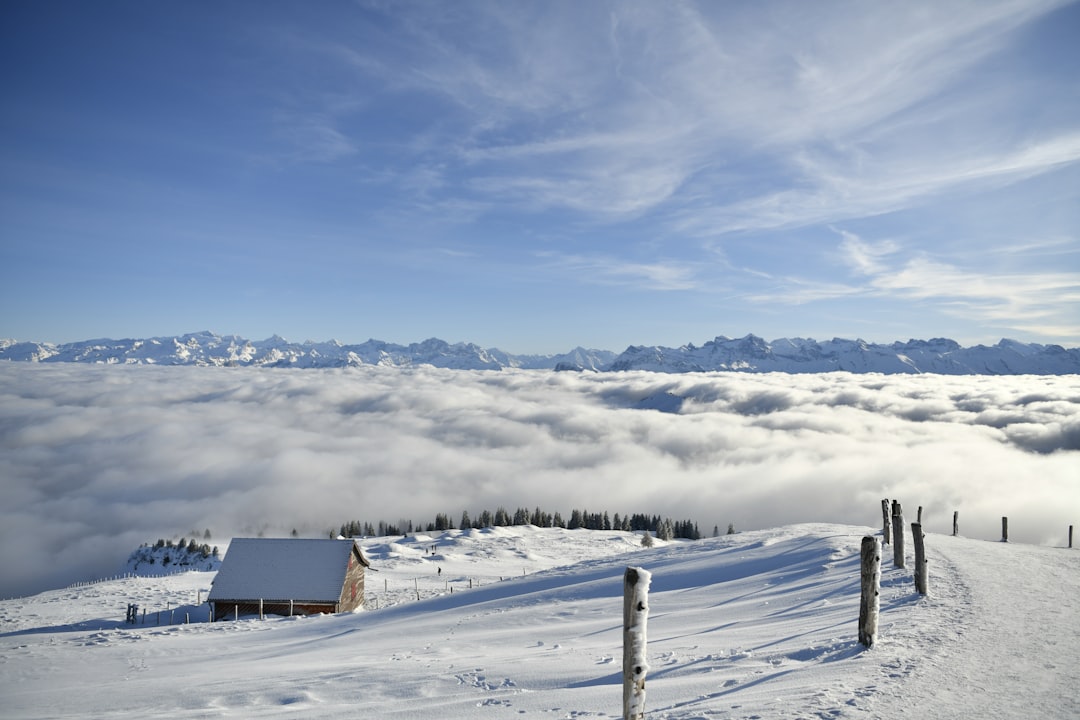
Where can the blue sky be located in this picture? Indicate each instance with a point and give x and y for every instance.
(541, 175)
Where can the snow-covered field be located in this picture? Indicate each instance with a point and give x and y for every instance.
(760, 624)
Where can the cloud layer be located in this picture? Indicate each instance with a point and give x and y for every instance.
(96, 460)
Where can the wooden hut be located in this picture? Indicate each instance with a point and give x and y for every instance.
(286, 576)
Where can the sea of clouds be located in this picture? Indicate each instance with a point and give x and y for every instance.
(95, 460)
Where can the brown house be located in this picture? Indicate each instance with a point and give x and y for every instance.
(289, 576)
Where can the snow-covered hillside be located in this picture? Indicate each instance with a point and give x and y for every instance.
(748, 354)
(760, 624)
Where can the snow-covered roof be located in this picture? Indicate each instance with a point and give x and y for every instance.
(283, 569)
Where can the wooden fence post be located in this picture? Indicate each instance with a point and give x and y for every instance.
(898, 534)
(635, 617)
(921, 574)
(870, 554)
(1070, 535)
(261, 609)
(955, 523)
(1004, 529)
(885, 521)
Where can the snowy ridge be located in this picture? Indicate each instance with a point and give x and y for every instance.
(800, 355)
(747, 354)
(759, 624)
(207, 348)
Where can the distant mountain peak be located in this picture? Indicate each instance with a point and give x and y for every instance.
(749, 353)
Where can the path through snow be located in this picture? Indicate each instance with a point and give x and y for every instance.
(999, 636)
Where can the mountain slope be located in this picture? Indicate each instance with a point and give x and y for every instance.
(747, 354)
(799, 355)
(760, 624)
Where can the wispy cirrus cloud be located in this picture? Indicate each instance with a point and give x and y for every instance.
(865, 258)
(829, 189)
(720, 120)
(1009, 299)
(662, 275)
(623, 98)
(1033, 301)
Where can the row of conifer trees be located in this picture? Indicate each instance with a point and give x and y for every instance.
(663, 528)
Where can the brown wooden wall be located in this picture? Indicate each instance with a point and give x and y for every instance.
(352, 592)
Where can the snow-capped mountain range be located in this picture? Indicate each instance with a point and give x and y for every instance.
(747, 354)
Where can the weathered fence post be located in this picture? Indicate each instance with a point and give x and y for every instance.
(1004, 529)
(236, 613)
(635, 617)
(956, 523)
(290, 608)
(898, 534)
(921, 574)
(870, 554)
(261, 609)
(885, 521)
(1070, 535)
